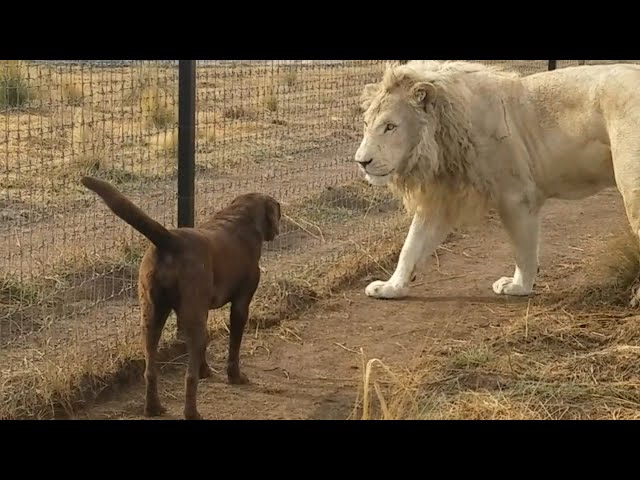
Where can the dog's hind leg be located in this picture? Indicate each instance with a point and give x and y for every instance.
(238, 321)
(205, 370)
(194, 321)
(154, 316)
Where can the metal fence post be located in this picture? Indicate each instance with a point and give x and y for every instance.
(552, 64)
(186, 141)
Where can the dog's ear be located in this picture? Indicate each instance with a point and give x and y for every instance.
(272, 220)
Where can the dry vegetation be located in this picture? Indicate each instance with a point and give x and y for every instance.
(576, 357)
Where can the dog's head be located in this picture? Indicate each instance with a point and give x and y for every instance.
(266, 212)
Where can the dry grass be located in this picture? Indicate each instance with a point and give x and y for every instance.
(616, 270)
(271, 100)
(15, 290)
(71, 91)
(165, 141)
(88, 144)
(158, 107)
(22, 83)
(281, 299)
(290, 77)
(51, 388)
(578, 358)
(236, 112)
(15, 90)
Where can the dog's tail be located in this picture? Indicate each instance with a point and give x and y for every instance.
(124, 208)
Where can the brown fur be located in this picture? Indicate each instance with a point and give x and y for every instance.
(194, 270)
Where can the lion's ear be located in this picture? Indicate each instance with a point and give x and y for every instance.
(393, 63)
(368, 92)
(423, 93)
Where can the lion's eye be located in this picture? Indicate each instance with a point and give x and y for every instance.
(389, 127)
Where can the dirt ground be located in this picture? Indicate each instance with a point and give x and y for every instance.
(311, 367)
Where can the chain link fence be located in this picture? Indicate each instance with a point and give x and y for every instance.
(68, 306)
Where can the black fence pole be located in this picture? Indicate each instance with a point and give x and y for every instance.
(186, 141)
(552, 64)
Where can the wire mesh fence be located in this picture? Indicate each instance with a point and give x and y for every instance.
(68, 265)
(68, 271)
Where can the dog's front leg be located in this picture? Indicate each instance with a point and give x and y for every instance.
(238, 321)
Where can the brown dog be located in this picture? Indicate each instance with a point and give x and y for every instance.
(193, 270)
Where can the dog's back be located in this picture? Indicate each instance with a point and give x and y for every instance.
(216, 262)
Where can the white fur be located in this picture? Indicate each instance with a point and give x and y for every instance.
(454, 138)
(422, 238)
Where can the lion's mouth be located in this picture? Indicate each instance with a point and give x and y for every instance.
(381, 175)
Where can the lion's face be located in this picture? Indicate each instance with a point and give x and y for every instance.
(391, 133)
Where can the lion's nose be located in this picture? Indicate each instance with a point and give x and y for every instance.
(366, 162)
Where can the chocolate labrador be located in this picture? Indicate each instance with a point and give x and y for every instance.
(194, 270)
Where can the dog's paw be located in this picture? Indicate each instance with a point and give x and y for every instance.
(192, 415)
(506, 286)
(385, 290)
(205, 371)
(238, 378)
(154, 410)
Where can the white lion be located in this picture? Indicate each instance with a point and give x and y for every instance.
(454, 138)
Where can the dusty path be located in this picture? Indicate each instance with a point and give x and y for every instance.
(310, 368)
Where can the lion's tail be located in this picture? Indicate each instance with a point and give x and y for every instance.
(125, 209)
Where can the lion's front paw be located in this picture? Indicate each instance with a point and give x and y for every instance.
(386, 290)
(506, 286)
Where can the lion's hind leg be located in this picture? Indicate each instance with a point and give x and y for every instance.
(625, 150)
